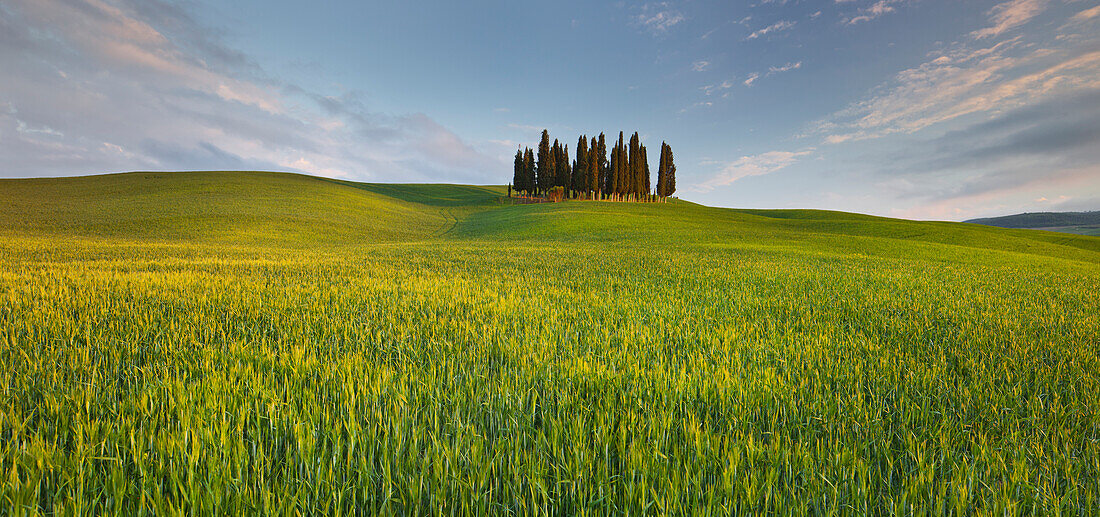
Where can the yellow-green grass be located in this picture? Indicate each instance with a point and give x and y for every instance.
(264, 343)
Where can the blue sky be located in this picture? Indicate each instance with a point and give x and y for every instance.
(927, 109)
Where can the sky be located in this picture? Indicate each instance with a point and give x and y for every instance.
(922, 109)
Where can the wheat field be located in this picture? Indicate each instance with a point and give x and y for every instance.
(180, 344)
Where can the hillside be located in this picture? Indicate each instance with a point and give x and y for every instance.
(1084, 223)
(240, 343)
(297, 211)
(242, 208)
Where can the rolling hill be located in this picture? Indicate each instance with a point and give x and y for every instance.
(298, 211)
(241, 343)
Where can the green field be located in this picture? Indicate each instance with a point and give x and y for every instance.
(189, 343)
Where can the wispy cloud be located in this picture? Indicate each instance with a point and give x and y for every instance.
(876, 10)
(99, 85)
(753, 165)
(710, 89)
(779, 26)
(1009, 15)
(657, 17)
(785, 68)
(700, 66)
(966, 81)
(1087, 14)
(1049, 148)
(700, 104)
(751, 79)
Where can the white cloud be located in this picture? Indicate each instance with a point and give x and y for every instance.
(751, 79)
(965, 81)
(1009, 15)
(754, 165)
(103, 85)
(781, 25)
(700, 66)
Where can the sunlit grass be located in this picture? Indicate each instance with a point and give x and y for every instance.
(582, 358)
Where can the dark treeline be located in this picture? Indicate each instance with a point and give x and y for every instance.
(592, 175)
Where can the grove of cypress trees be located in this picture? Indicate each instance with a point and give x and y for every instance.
(625, 177)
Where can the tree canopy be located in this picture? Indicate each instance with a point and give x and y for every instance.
(591, 174)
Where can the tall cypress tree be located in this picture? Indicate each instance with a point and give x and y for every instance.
(670, 184)
(618, 179)
(595, 160)
(552, 177)
(529, 171)
(517, 175)
(580, 166)
(544, 175)
(662, 171)
(601, 166)
(613, 174)
(626, 182)
(562, 164)
(643, 187)
(633, 183)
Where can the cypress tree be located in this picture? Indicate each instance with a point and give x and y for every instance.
(619, 168)
(670, 185)
(544, 177)
(594, 162)
(612, 168)
(644, 187)
(529, 171)
(552, 176)
(580, 166)
(662, 171)
(613, 174)
(626, 181)
(562, 162)
(555, 155)
(517, 176)
(633, 173)
(601, 166)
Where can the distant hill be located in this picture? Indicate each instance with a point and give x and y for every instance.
(1083, 223)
